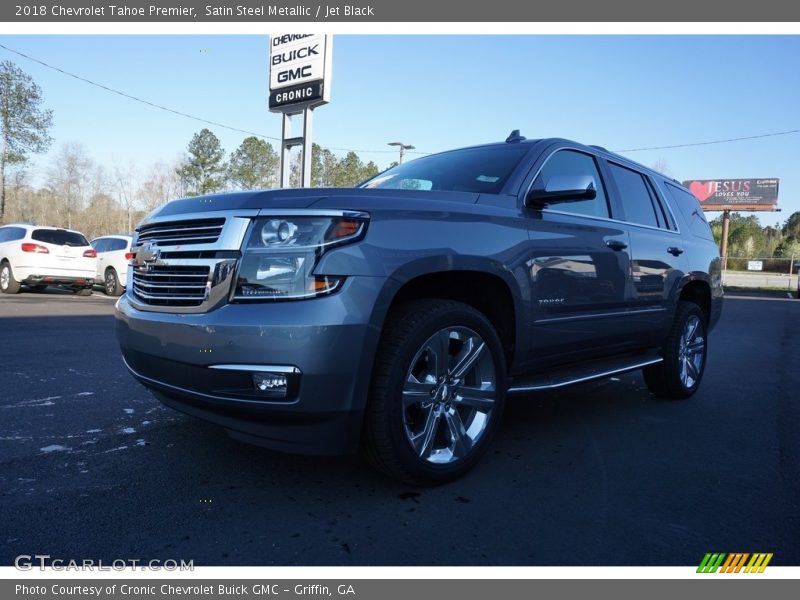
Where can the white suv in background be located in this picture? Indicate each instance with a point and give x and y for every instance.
(40, 256)
(113, 255)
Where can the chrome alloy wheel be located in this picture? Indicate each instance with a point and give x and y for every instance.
(449, 394)
(5, 277)
(691, 351)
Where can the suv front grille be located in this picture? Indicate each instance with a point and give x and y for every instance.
(182, 233)
(171, 285)
(187, 266)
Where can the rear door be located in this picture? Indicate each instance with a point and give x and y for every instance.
(115, 256)
(658, 260)
(579, 268)
(100, 246)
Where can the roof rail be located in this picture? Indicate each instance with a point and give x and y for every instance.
(596, 147)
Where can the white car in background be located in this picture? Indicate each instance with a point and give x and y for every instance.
(113, 255)
(38, 256)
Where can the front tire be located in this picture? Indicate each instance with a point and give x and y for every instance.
(437, 392)
(8, 285)
(685, 349)
(111, 284)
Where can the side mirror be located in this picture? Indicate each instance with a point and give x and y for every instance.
(563, 188)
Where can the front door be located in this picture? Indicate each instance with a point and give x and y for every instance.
(580, 270)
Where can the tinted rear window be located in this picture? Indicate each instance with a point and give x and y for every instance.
(117, 244)
(484, 169)
(59, 237)
(10, 234)
(634, 195)
(691, 210)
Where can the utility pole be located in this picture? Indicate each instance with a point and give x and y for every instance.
(403, 148)
(723, 246)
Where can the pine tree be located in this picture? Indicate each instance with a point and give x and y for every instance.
(254, 164)
(203, 170)
(24, 124)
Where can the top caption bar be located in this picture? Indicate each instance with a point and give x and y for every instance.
(385, 11)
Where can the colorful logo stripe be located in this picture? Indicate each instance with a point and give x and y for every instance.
(734, 562)
(758, 563)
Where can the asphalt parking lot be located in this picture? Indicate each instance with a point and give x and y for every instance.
(92, 467)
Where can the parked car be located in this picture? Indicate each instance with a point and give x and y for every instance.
(37, 256)
(397, 316)
(113, 255)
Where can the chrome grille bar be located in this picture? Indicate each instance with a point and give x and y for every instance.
(190, 289)
(174, 233)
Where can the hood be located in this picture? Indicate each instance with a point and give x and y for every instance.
(304, 198)
(254, 199)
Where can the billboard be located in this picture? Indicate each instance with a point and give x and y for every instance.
(735, 194)
(299, 71)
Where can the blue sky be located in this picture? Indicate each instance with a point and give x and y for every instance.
(444, 91)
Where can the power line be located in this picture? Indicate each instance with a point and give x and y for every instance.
(136, 98)
(725, 141)
(165, 108)
(269, 137)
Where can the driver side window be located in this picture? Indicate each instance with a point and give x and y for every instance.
(571, 162)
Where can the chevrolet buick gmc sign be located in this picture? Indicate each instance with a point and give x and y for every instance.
(299, 71)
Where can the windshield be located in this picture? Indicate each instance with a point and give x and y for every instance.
(484, 170)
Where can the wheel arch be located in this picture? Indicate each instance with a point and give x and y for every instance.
(428, 278)
(698, 291)
(485, 292)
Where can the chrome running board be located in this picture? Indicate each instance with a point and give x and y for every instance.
(596, 370)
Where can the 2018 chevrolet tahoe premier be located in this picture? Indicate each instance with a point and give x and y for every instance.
(397, 316)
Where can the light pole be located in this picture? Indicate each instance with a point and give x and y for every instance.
(403, 148)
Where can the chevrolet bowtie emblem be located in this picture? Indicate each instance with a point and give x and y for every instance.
(147, 255)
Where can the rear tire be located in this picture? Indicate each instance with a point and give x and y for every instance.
(684, 352)
(437, 392)
(111, 284)
(8, 285)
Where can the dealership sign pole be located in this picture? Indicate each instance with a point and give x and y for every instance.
(299, 81)
(741, 195)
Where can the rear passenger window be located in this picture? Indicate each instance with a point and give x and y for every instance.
(570, 162)
(10, 234)
(634, 196)
(117, 244)
(690, 209)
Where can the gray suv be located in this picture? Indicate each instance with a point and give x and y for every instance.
(397, 316)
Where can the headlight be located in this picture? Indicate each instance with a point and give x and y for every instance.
(280, 254)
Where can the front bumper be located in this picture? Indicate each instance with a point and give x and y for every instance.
(329, 340)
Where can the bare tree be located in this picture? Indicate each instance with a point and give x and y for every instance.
(126, 182)
(160, 185)
(69, 177)
(662, 166)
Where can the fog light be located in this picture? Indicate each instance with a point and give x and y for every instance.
(271, 383)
